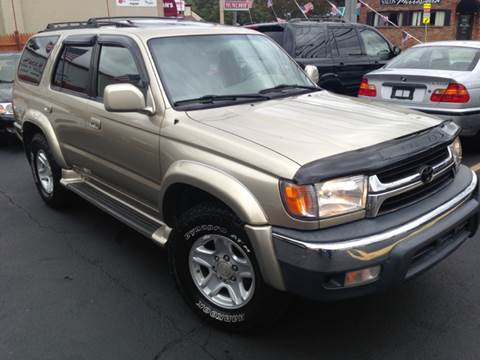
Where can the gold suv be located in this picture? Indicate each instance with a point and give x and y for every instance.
(214, 143)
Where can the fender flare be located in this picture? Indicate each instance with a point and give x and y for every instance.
(217, 183)
(41, 121)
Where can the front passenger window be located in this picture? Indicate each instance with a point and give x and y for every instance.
(117, 66)
(375, 45)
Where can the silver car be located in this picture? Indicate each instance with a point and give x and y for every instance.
(440, 78)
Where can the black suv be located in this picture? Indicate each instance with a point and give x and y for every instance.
(343, 52)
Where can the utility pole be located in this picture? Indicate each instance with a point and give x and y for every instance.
(351, 11)
(221, 4)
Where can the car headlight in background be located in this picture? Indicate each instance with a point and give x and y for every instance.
(6, 108)
(326, 199)
(456, 149)
(341, 196)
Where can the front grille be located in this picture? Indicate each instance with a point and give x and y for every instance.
(410, 166)
(401, 185)
(417, 194)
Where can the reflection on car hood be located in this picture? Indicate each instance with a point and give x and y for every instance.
(313, 126)
(6, 92)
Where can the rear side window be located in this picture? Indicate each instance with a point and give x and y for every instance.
(347, 41)
(311, 42)
(35, 57)
(117, 66)
(73, 69)
(277, 36)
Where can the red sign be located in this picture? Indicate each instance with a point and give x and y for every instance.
(170, 8)
(238, 5)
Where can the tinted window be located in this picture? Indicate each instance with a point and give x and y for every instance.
(375, 45)
(347, 41)
(116, 66)
(34, 58)
(73, 69)
(311, 42)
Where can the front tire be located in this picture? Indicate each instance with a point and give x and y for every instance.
(217, 273)
(47, 173)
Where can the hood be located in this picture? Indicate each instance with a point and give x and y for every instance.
(6, 92)
(314, 126)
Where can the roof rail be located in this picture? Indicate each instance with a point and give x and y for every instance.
(96, 22)
(320, 19)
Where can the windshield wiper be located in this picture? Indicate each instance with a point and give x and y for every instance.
(6, 81)
(288, 87)
(210, 99)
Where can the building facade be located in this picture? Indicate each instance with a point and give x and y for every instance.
(450, 20)
(30, 16)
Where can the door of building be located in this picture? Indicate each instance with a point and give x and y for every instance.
(464, 27)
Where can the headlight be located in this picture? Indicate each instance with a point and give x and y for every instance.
(456, 149)
(6, 108)
(341, 196)
(326, 199)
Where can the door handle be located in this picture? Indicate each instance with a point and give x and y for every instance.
(95, 123)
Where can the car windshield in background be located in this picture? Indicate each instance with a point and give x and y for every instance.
(231, 68)
(437, 58)
(8, 65)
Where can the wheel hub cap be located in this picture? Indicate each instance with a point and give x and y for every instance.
(44, 171)
(222, 271)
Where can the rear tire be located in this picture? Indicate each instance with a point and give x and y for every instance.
(47, 173)
(217, 273)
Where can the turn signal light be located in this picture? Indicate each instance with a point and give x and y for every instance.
(454, 93)
(366, 89)
(362, 277)
(300, 200)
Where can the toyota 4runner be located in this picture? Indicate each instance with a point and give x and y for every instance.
(214, 143)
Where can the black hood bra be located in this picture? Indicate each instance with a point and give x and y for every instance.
(369, 160)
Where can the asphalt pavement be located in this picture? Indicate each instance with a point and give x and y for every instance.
(77, 284)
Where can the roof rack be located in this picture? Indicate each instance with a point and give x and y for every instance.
(96, 22)
(320, 19)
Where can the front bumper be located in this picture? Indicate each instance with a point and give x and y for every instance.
(404, 244)
(6, 123)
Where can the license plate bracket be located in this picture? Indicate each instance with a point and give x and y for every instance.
(402, 93)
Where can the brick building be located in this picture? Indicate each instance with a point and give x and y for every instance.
(450, 19)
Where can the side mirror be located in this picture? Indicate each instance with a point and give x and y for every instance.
(312, 73)
(124, 98)
(396, 51)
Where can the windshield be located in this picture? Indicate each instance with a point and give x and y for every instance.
(193, 67)
(8, 65)
(437, 58)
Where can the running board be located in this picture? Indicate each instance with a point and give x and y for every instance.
(126, 213)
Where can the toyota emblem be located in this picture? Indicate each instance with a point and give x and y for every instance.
(426, 174)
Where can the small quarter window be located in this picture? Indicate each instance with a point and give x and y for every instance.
(35, 57)
(73, 69)
(117, 66)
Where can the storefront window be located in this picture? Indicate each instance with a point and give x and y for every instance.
(408, 18)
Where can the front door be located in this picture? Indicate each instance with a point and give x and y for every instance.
(464, 27)
(349, 61)
(124, 147)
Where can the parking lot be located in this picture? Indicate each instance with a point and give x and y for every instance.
(80, 285)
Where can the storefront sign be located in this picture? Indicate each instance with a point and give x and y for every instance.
(137, 3)
(407, 2)
(238, 5)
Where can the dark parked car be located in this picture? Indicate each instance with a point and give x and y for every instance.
(8, 65)
(342, 52)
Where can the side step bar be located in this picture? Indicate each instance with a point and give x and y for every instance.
(126, 213)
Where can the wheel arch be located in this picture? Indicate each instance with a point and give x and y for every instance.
(35, 122)
(200, 182)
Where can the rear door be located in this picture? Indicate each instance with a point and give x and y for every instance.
(349, 61)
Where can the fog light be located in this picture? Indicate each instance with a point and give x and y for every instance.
(361, 277)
